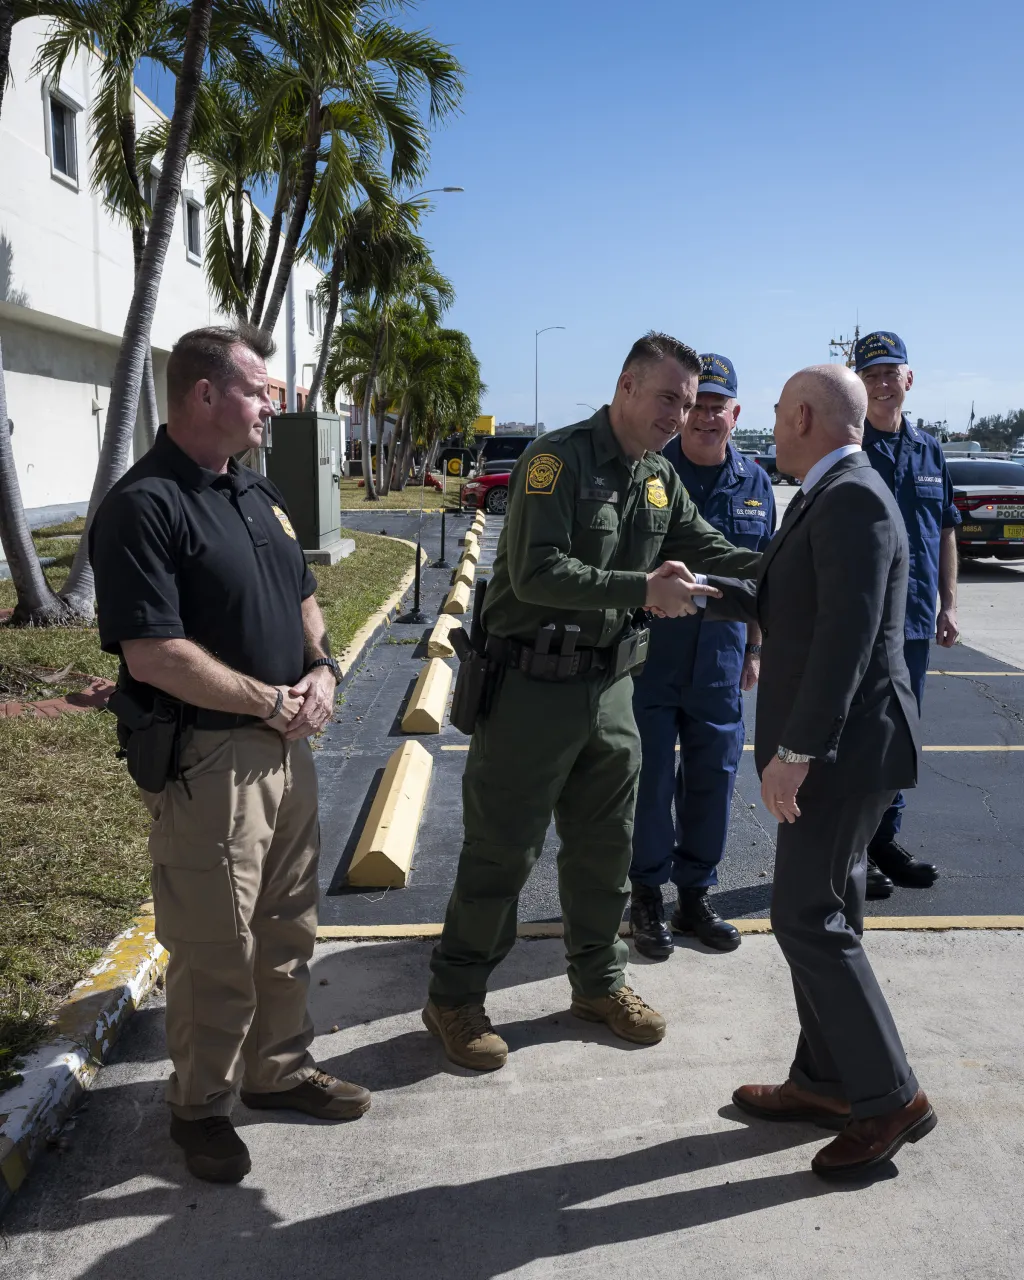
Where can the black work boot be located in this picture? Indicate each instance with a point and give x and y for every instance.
(902, 867)
(877, 885)
(213, 1150)
(696, 915)
(651, 935)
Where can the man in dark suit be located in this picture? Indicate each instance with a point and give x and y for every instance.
(835, 738)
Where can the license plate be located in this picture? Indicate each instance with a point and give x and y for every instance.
(1013, 530)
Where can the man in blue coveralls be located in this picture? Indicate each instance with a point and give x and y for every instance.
(689, 692)
(911, 463)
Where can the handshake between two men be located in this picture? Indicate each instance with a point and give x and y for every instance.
(673, 591)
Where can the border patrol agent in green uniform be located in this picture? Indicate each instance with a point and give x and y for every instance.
(591, 508)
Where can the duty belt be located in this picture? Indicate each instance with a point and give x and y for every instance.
(547, 666)
(203, 718)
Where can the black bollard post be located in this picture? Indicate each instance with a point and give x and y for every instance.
(415, 615)
(441, 562)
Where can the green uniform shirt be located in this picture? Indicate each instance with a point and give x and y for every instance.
(584, 527)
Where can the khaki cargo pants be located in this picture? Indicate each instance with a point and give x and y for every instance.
(235, 897)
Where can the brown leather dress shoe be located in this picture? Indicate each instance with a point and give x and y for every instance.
(865, 1144)
(787, 1101)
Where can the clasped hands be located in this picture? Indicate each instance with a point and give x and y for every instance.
(307, 705)
(672, 590)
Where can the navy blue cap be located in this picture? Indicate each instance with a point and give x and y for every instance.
(879, 348)
(717, 375)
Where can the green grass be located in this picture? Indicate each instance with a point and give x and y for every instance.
(73, 861)
(411, 498)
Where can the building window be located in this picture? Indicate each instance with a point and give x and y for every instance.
(150, 182)
(314, 314)
(63, 139)
(193, 230)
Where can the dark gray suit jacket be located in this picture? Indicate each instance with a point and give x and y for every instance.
(830, 598)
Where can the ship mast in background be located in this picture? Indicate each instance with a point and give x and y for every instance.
(844, 347)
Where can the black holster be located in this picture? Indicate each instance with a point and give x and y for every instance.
(149, 737)
(480, 676)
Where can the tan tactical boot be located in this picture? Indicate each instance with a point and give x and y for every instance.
(467, 1035)
(624, 1013)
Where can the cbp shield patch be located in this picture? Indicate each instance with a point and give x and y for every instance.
(656, 495)
(286, 524)
(543, 473)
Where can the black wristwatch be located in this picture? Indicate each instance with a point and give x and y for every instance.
(332, 666)
(754, 649)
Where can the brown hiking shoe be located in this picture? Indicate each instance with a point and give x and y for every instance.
(467, 1035)
(213, 1151)
(624, 1012)
(319, 1095)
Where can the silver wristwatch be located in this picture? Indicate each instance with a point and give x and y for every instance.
(792, 757)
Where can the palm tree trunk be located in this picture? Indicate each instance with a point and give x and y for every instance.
(37, 605)
(333, 297)
(403, 466)
(381, 422)
(371, 378)
(6, 27)
(297, 216)
(131, 359)
(428, 460)
(397, 438)
(270, 253)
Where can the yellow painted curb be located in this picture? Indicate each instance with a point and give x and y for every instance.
(383, 855)
(425, 712)
(439, 645)
(471, 540)
(471, 555)
(458, 599)
(56, 1075)
(465, 572)
(553, 929)
(355, 649)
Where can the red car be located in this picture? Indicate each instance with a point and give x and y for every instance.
(488, 492)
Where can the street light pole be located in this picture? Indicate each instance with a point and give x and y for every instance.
(536, 373)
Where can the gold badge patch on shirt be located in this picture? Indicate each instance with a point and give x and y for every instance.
(751, 502)
(286, 524)
(543, 473)
(656, 495)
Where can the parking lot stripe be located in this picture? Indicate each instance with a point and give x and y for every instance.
(464, 746)
(553, 929)
(976, 673)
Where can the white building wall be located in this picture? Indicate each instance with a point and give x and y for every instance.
(66, 280)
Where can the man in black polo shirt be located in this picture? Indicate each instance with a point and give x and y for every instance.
(204, 591)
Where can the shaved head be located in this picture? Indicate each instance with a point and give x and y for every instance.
(820, 409)
(836, 397)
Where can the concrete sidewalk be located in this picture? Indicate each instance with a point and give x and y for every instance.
(584, 1157)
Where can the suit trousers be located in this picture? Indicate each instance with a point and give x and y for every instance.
(848, 1046)
(570, 748)
(234, 847)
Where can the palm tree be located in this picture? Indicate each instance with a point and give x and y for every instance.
(339, 64)
(36, 602)
(128, 371)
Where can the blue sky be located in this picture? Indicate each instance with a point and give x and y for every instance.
(751, 177)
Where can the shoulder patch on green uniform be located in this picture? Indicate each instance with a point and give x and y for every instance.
(656, 495)
(543, 473)
(286, 524)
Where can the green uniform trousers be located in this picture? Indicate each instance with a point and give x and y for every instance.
(571, 749)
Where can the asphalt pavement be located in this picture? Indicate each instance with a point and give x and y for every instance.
(966, 814)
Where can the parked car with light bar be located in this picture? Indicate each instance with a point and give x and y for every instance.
(490, 492)
(989, 494)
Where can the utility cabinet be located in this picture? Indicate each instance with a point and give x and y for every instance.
(304, 453)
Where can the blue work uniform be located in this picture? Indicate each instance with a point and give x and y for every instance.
(911, 463)
(689, 692)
